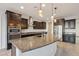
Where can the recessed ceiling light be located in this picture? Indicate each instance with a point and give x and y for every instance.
(22, 7)
(43, 5)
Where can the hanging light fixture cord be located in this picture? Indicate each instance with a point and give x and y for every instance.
(52, 9)
(40, 6)
(55, 9)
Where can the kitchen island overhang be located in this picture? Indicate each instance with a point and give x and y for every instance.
(34, 44)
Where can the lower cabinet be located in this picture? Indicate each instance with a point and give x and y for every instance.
(69, 38)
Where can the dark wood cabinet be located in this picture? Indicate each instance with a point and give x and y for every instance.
(24, 23)
(14, 19)
(59, 22)
(70, 24)
(44, 25)
(35, 23)
(39, 25)
(69, 38)
(13, 22)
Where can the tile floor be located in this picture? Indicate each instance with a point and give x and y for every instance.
(5, 52)
(64, 49)
(67, 49)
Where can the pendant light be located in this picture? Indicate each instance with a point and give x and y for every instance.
(40, 11)
(55, 20)
(52, 12)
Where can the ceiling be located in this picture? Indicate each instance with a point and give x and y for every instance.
(31, 9)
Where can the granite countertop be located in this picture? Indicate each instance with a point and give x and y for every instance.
(30, 43)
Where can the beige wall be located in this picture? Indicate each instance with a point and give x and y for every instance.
(0, 32)
(3, 29)
(77, 30)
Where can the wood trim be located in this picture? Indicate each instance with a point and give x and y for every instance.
(7, 11)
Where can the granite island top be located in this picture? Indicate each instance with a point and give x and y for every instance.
(30, 43)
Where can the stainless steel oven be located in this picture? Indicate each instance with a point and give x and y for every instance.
(14, 33)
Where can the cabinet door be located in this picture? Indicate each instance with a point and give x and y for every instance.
(70, 24)
(44, 25)
(66, 38)
(35, 23)
(39, 25)
(14, 19)
(66, 24)
(24, 23)
(72, 38)
(69, 38)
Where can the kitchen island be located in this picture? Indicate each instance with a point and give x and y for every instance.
(34, 46)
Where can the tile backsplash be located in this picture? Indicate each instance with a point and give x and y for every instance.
(32, 30)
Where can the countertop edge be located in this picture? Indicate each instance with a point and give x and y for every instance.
(32, 48)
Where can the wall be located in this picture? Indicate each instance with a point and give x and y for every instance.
(3, 29)
(0, 32)
(77, 30)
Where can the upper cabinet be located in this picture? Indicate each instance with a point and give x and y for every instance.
(44, 25)
(59, 22)
(24, 23)
(13, 19)
(39, 25)
(70, 24)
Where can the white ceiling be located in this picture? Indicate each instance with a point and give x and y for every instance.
(63, 9)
